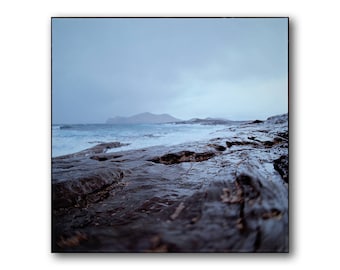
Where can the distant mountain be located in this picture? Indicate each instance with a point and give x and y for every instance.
(209, 121)
(143, 118)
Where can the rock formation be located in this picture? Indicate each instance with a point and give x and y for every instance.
(143, 118)
(228, 194)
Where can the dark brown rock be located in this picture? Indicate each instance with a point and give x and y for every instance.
(257, 122)
(183, 156)
(218, 147)
(281, 165)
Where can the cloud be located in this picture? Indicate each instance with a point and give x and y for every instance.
(185, 67)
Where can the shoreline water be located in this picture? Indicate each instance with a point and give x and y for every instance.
(75, 138)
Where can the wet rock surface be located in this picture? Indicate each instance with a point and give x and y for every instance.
(183, 156)
(229, 194)
(281, 165)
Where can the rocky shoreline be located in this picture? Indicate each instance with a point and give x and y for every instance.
(228, 194)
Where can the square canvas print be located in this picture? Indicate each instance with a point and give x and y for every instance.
(170, 135)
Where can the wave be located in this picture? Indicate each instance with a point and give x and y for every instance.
(71, 138)
(152, 136)
(66, 127)
(96, 142)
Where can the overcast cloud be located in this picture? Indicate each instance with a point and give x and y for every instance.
(229, 68)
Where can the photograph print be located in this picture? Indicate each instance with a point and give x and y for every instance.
(169, 135)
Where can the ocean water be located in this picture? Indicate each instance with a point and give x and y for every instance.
(67, 139)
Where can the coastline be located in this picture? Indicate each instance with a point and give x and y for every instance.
(77, 137)
(225, 194)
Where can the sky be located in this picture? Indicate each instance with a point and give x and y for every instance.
(233, 68)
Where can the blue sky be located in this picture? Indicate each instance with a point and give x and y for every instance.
(235, 68)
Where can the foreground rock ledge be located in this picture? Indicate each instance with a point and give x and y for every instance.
(228, 194)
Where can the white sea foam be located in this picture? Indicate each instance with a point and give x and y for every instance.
(75, 138)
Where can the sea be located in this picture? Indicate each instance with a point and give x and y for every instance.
(68, 139)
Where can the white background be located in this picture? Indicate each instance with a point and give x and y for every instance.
(25, 104)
